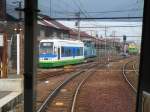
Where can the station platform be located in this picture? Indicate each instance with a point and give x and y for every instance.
(14, 76)
(7, 97)
(10, 89)
(4, 93)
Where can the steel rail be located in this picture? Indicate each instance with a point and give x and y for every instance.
(125, 77)
(51, 96)
(133, 66)
(77, 91)
(56, 90)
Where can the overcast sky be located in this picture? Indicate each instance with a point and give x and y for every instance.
(91, 8)
(88, 8)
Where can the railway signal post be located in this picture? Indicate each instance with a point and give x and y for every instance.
(124, 44)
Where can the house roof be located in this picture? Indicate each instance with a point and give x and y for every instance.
(47, 21)
(74, 32)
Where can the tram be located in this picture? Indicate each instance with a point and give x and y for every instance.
(57, 52)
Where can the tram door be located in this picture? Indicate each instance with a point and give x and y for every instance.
(58, 53)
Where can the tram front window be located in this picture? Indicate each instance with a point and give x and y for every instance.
(46, 48)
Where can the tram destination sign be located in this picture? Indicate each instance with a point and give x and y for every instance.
(1, 40)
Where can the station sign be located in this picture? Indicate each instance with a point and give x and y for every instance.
(1, 40)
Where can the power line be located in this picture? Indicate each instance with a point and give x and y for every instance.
(67, 4)
(80, 10)
(126, 36)
(100, 18)
(113, 11)
(84, 8)
(110, 26)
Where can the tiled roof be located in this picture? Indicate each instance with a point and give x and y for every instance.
(47, 21)
(74, 32)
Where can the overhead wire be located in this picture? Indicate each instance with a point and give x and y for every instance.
(80, 9)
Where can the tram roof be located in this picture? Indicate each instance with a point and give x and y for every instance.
(61, 40)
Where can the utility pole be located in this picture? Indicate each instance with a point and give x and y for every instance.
(20, 13)
(113, 43)
(124, 44)
(114, 34)
(19, 9)
(78, 23)
(106, 53)
(105, 31)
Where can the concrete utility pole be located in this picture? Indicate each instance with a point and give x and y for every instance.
(19, 8)
(20, 13)
(106, 53)
(113, 43)
(78, 23)
(124, 44)
(105, 31)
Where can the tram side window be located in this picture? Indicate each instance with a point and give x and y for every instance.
(69, 52)
(62, 52)
(66, 51)
(79, 51)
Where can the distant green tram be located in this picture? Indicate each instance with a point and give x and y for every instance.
(132, 49)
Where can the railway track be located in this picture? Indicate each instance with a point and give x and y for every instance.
(130, 74)
(72, 83)
(45, 74)
(54, 89)
(105, 87)
(42, 75)
(136, 74)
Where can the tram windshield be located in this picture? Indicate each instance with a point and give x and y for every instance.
(46, 48)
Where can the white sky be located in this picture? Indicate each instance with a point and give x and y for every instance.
(119, 31)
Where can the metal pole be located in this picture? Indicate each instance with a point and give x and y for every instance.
(18, 54)
(78, 24)
(105, 45)
(79, 30)
(105, 31)
(20, 13)
(30, 56)
(114, 44)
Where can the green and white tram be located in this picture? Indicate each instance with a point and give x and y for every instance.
(57, 52)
